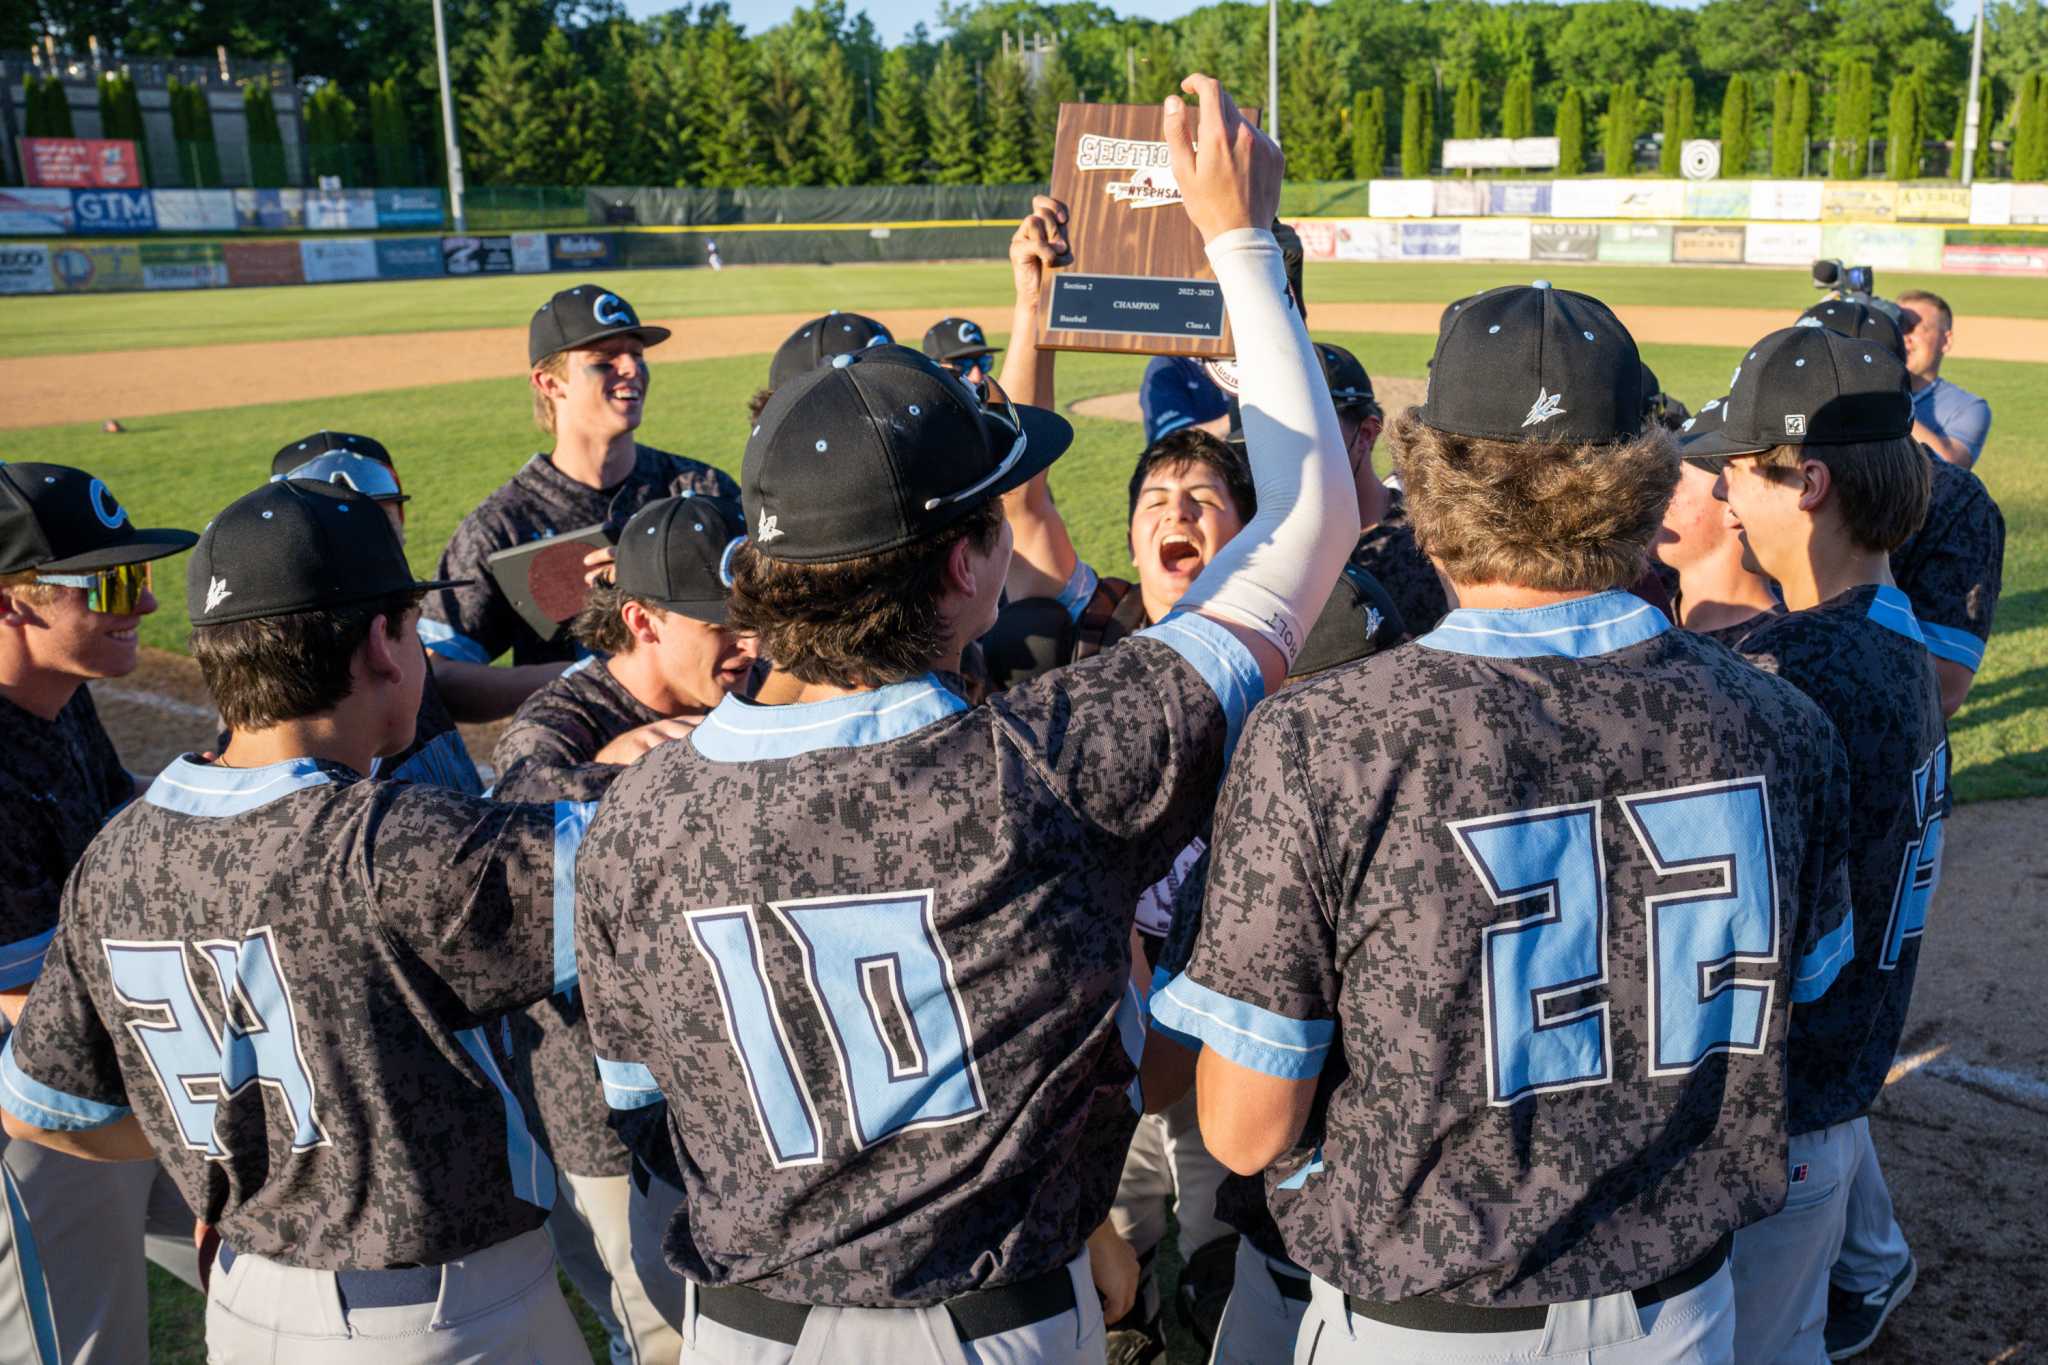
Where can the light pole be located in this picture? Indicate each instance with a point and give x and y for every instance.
(1273, 68)
(1972, 112)
(448, 121)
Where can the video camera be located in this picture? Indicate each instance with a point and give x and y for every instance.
(1855, 283)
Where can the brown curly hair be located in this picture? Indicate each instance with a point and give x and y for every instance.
(1565, 518)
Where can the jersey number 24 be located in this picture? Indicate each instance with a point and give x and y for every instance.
(1712, 952)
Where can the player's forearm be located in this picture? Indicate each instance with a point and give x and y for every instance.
(121, 1140)
(1027, 371)
(475, 693)
(1948, 447)
(1166, 1072)
(1955, 680)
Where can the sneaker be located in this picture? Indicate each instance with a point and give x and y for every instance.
(1204, 1289)
(1854, 1320)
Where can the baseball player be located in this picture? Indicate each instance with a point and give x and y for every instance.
(74, 586)
(1717, 593)
(897, 1027)
(437, 754)
(666, 658)
(959, 346)
(813, 344)
(1506, 1108)
(589, 380)
(1818, 468)
(275, 975)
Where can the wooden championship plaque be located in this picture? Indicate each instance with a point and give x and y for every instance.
(1139, 282)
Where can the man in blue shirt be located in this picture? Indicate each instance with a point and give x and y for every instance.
(1951, 421)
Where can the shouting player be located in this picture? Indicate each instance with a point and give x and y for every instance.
(1505, 1113)
(895, 1018)
(275, 975)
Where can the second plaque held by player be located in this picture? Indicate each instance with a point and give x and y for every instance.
(1139, 281)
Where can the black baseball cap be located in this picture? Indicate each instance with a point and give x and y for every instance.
(58, 519)
(294, 546)
(1358, 620)
(1537, 364)
(1350, 385)
(1807, 386)
(820, 339)
(956, 339)
(879, 449)
(1854, 319)
(677, 553)
(578, 316)
(292, 454)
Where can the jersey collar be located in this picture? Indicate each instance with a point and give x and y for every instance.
(1890, 608)
(1579, 629)
(193, 788)
(738, 731)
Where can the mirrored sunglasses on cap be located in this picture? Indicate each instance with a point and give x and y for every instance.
(115, 591)
(1005, 416)
(371, 478)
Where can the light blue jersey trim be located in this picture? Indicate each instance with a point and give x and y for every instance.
(1819, 968)
(737, 731)
(1582, 628)
(1160, 976)
(450, 643)
(572, 821)
(1223, 661)
(29, 1100)
(1269, 1043)
(42, 1324)
(1957, 646)
(1894, 612)
(533, 1175)
(586, 661)
(1080, 586)
(208, 789)
(22, 962)
(628, 1085)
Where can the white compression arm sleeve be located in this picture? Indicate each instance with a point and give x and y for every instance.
(1275, 575)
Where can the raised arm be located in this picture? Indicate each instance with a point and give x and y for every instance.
(1268, 583)
(1044, 558)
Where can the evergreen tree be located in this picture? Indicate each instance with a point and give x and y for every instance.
(1418, 117)
(192, 134)
(788, 120)
(1677, 125)
(899, 115)
(725, 102)
(954, 136)
(1055, 87)
(1571, 133)
(1518, 107)
(49, 110)
(266, 139)
(1465, 114)
(1902, 129)
(1849, 152)
(1312, 109)
(1791, 123)
(1006, 122)
(842, 144)
(1620, 146)
(121, 116)
(2030, 138)
(1369, 133)
(331, 139)
(391, 136)
(1984, 124)
(500, 120)
(1738, 118)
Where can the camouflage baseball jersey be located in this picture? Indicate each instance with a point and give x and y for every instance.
(476, 622)
(1733, 635)
(1559, 873)
(59, 781)
(547, 753)
(1953, 566)
(1387, 550)
(285, 972)
(875, 950)
(1861, 656)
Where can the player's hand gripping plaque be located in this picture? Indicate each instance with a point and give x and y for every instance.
(1139, 281)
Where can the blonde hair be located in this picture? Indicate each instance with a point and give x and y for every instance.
(1564, 518)
(25, 587)
(555, 366)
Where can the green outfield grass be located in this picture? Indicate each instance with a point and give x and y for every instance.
(82, 323)
(456, 442)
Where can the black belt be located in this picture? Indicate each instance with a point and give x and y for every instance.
(399, 1288)
(1429, 1313)
(976, 1314)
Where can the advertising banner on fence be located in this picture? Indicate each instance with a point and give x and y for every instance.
(263, 263)
(1362, 239)
(1635, 242)
(408, 208)
(1495, 239)
(270, 210)
(1996, 260)
(584, 250)
(1318, 239)
(111, 211)
(1649, 198)
(1430, 239)
(35, 212)
(25, 268)
(2029, 204)
(335, 259)
(1401, 198)
(1859, 201)
(1934, 203)
(1583, 199)
(1460, 198)
(1785, 200)
(1564, 241)
(1991, 204)
(408, 258)
(530, 252)
(476, 255)
(183, 265)
(1781, 243)
(341, 210)
(1524, 198)
(81, 163)
(1706, 245)
(1717, 199)
(1887, 248)
(195, 210)
(96, 269)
